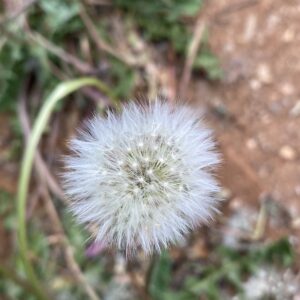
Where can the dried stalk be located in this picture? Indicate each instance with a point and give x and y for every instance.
(80, 65)
(191, 55)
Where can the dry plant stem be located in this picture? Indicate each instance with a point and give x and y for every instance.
(69, 58)
(191, 55)
(261, 223)
(99, 2)
(67, 248)
(59, 93)
(124, 55)
(38, 39)
(101, 101)
(102, 45)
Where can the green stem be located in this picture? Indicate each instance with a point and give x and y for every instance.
(59, 93)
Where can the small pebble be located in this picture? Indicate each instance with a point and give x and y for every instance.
(297, 190)
(251, 144)
(236, 203)
(255, 84)
(295, 111)
(287, 89)
(225, 194)
(288, 35)
(264, 74)
(296, 223)
(287, 152)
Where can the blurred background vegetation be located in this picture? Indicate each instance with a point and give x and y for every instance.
(136, 49)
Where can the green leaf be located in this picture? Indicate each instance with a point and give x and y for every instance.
(123, 78)
(209, 62)
(162, 19)
(59, 13)
(160, 277)
(280, 252)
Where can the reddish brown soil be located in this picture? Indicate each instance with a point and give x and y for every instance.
(253, 109)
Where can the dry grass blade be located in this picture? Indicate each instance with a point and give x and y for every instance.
(66, 246)
(191, 55)
(81, 66)
(100, 43)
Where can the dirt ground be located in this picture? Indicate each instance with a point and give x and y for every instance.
(255, 109)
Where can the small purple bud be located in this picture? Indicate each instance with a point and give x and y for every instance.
(95, 249)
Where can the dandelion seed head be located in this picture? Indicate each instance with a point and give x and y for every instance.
(143, 177)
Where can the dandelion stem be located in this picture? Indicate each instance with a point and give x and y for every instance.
(62, 90)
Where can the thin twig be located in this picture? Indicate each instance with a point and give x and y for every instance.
(99, 2)
(139, 59)
(38, 39)
(100, 43)
(67, 247)
(191, 55)
(80, 65)
(261, 223)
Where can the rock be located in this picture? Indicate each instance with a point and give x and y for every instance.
(287, 152)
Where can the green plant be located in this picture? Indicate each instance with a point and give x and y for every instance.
(162, 20)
